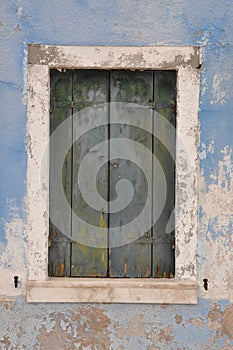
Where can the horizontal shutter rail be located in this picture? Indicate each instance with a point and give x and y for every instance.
(154, 240)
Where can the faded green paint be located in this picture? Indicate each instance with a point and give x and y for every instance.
(59, 245)
(61, 86)
(132, 87)
(134, 259)
(88, 261)
(72, 91)
(165, 99)
(90, 88)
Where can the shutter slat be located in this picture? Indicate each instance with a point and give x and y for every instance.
(59, 244)
(133, 259)
(90, 88)
(164, 98)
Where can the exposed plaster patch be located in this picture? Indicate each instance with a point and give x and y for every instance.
(204, 86)
(84, 329)
(216, 199)
(216, 265)
(178, 319)
(93, 326)
(164, 335)
(20, 11)
(140, 329)
(63, 326)
(25, 75)
(135, 327)
(204, 38)
(132, 60)
(44, 54)
(5, 343)
(227, 321)
(197, 322)
(13, 260)
(216, 238)
(57, 339)
(221, 321)
(220, 87)
(206, 149)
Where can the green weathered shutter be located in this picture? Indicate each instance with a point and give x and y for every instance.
(74, 93)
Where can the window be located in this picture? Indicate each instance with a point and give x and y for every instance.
(112, 95)
(143, 83)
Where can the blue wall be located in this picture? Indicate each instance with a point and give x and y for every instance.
(208, 24)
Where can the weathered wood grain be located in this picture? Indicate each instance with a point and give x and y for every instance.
(90, 88)
(133, 259)
(59, 245)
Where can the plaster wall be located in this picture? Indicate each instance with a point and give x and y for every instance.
(207, 325)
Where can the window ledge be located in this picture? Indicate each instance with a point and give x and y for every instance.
(112, 291)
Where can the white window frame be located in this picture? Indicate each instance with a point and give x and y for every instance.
(183, 288)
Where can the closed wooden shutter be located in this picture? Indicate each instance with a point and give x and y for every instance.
(151, 255)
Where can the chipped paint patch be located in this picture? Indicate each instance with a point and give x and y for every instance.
(219, 88)
(215, 265)
(138, 328)
(105, 327)
(221, 321)
(178, 319)
(216, 239)
(118, 57)
(13, 259)
(197, 322)
(25, 75)
(20, 11)
(216, 199)
(83, 329)
(206, 150)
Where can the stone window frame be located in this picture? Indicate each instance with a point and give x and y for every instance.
(183, 288)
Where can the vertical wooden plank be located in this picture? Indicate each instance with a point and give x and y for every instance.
(59, 245)
(133, 259)
(90, 88)
(165, 101)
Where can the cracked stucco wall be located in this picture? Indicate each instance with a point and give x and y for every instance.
(209, 324)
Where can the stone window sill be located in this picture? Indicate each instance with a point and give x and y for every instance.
(92, 290)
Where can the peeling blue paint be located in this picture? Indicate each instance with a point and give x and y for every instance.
(207, 24)
(150, 320)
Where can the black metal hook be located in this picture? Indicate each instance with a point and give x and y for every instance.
(205, 280)
(16, 281)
